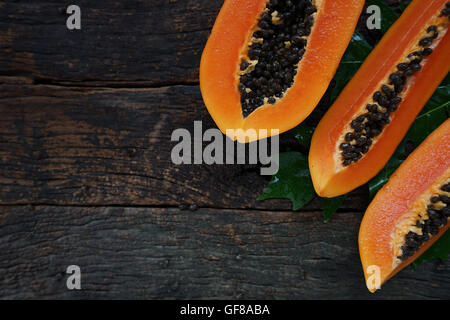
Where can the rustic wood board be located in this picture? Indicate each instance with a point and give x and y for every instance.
(86, 176)
(167, 253)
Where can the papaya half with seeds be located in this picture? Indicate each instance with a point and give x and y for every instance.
(362, 129)
(267, 63)
(411, 211)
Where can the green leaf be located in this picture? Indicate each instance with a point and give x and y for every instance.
(330, 206)
(431, 117)
(388, 16)
(357, 51)
(293, 181)
(285, 186)
(383, 176)
(303, 134)
(440, 249)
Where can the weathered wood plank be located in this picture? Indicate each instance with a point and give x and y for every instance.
(167, 253)
(146, 43)
(113, 147)
(132, 43)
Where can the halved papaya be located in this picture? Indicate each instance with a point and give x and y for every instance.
(411, 211)
(267, 63)
(362, 129)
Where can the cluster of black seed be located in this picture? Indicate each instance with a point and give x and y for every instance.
(437, 218)
(280, 46)
(446, 10)
(370, 124)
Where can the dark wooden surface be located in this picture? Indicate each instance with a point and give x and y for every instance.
(86, 176)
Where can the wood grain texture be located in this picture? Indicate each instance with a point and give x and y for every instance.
(135, 42)
(83, 146)
(166, 253)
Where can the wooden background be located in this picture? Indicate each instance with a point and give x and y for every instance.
(86, 177)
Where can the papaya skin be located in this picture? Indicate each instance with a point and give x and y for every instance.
(329, 180)
(335, 22)
(428, 163)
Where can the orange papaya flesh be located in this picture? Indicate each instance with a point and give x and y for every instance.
(317, 36)
(362, 129)
(411, 211)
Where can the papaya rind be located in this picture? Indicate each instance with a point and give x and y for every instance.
(419, 171)
(327, 179)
